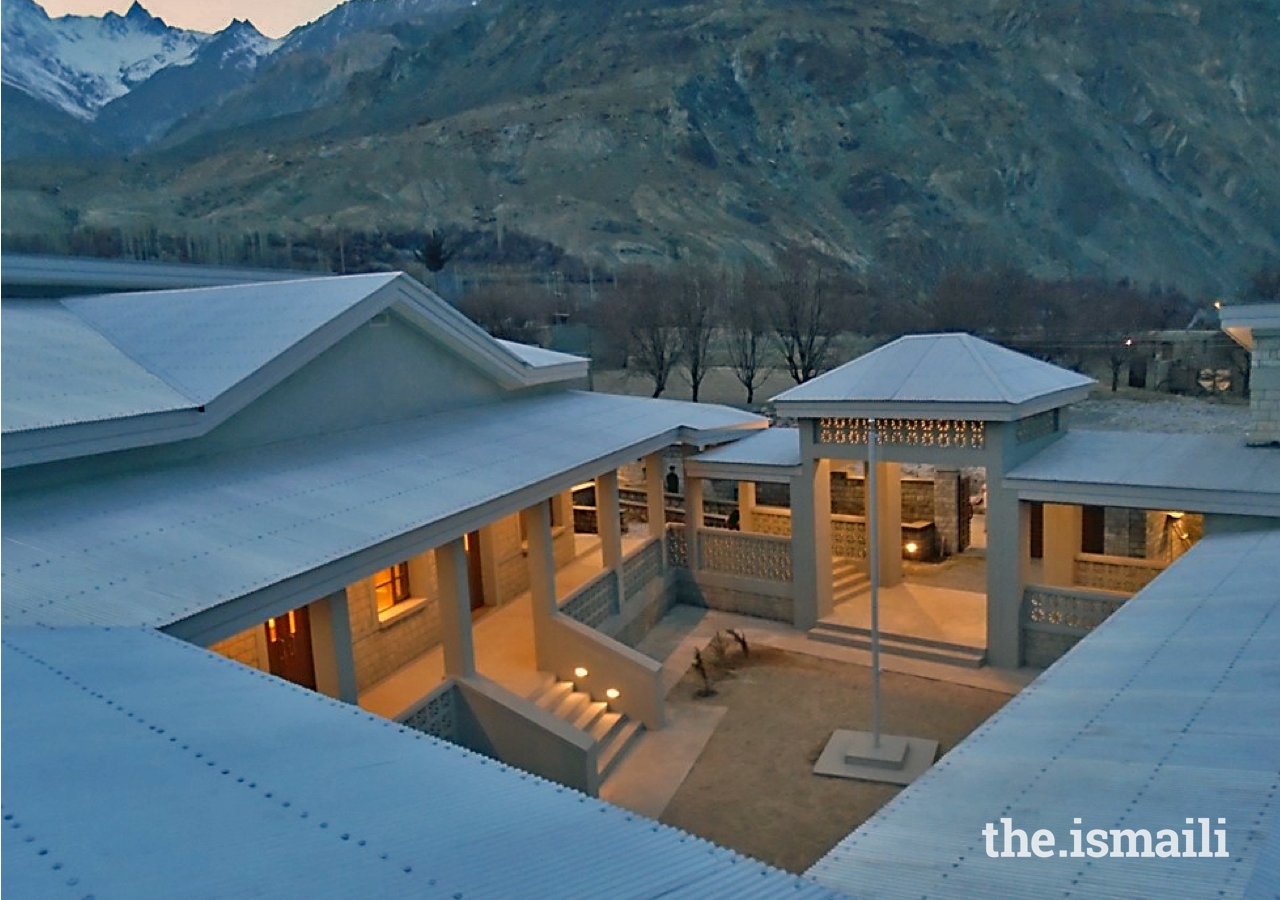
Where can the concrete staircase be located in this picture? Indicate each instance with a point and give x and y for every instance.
(848, 581)
(833, 631)
(613, 732)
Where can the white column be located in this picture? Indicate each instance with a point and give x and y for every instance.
(542, 580)
(746, 504)
(889, 511)
(653, 478)
(811, 533)
(693, 523)
(1008, 558)
(1062, 524)
(331, 648)
(608, 520)
(455, 609)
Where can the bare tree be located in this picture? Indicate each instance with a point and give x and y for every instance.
(504, 312)
(640, 310)
(805, 316)
(748, 329)
(696, 316)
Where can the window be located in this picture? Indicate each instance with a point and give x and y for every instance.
(391, 586)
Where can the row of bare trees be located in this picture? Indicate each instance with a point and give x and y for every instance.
(753, 319)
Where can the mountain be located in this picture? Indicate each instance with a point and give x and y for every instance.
(81, 63)
(1118, 138)
(228, 60)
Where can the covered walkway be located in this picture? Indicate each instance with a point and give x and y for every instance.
(503, 639)
(925, 612)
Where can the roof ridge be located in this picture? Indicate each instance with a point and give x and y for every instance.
(966, 341)
(92, 326)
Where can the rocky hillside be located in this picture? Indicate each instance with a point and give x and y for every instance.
(1132, 139)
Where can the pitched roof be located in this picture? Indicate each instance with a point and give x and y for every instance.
(956, 375)
(113, 371)
(140, 766)
(771, 454)
(163, 544)
(1194, 472)
(1167, 710)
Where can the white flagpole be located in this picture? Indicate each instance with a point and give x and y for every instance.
(873, 555)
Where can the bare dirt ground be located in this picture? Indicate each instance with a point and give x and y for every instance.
(753, 788)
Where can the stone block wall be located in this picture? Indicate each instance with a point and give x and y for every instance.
(245, 647)
(381, 645)
(688, 591)
(1126, 532)
(1264, 389)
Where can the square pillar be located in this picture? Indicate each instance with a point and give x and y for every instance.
(331, 648)
(1008, 560)
(746, 504)
(1062, 530)
(542, 579)
(693, 519)
(811, 533)
(657, 503)
(889, 514)
(609, 520)
(946, 510)
(455, 610)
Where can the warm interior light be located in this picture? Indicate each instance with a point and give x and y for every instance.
(612, 693)
(580, 672)
(1176, 515)
(1217, 304)
(912, 546)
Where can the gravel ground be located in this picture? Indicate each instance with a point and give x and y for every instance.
(753, 788)
(1134, 410)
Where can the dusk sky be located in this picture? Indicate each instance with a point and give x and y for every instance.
(273, 18)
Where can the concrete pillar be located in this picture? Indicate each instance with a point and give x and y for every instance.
(1264, 388)
(455, 609)
(746, 504)
(542, 580)
(889, 513)
(653, 479)
(811, 533)
(609, 520)
(693, 521)
(331, 648)
(946, 509)
(1061, 543)
(1008, 558)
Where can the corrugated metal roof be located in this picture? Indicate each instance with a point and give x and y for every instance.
(139, 766)
(58, 370)
(203, 341)
(539, 356)
(26, 275)
(938, 368)
(1111, 461)
(1169, 710)
(156, 546)
(770, 447)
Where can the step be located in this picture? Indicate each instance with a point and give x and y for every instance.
(954, 655)
(569, 708)
(614, 752)
(589, 714)
(553, 695)
(604, 726)
(836, 625)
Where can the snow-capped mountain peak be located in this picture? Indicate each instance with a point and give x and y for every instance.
(81, 63)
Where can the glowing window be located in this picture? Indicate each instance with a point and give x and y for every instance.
(391, 586)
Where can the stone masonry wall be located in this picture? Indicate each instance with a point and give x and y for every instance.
(1264, 389)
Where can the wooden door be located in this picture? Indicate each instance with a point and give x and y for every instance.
(289, 647)
(1037, 530)
(475, 571)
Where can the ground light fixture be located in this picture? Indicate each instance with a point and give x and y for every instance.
(912, 548)
(871, 755)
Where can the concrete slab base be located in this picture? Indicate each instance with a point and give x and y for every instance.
(897, 760)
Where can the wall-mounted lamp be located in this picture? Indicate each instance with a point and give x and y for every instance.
(912, 548)
(580, 672)
(613, 693)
